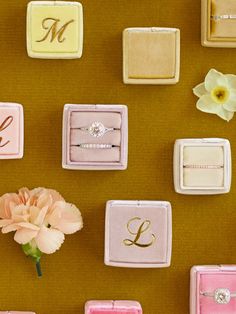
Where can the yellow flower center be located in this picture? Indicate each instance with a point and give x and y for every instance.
(220, 94)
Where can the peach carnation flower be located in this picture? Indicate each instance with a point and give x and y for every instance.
(40, 219)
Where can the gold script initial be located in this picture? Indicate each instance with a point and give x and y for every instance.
(3, 126)
(143, 227)
(52, 28)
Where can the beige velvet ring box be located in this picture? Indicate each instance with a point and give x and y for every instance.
(54, 29)
(11, 131)
(202, 166)
(95, 137)
(138, 234)
(151, 55)
(218, 26)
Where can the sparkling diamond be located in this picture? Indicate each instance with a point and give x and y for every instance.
(222, 296)
(97, 129)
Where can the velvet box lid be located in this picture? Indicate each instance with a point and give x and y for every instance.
(151, 55)
(202, 166)
(207, 279)
(138, 234)
(112, 307)
(11, 131)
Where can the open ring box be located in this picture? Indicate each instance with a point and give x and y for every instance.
(151, 55)
(11, 131)
(138, 234)
(95, 137)
(202, 166)
(207, 279)
(218, 27)
(113, 307)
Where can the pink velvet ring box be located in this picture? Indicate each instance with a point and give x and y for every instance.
(11, 131)
(218, 281)
(113, 307)
(138, 234)
(202, 166)
(95, 137)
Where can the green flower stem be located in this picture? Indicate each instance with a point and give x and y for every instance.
(38, 268)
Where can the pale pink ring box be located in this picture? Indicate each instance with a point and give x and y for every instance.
(208, 279)
(112, 307)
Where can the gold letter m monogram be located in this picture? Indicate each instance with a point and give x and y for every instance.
(53, 30)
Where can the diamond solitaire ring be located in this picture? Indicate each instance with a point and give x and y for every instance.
(223, 17)
(97, 129)
(220, 295)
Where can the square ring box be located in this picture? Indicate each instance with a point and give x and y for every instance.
(202, 166)
(54, 29)
(11, 131)
(218, 26)
(138, 234)
(213, 289)
(113, 307)
(95, 137)
(151, 55)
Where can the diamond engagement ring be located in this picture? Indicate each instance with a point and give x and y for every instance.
(223, 17)
(220, 295)
(97, 129)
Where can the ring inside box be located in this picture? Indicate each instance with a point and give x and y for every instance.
(222, 20)
(85, 146)
(209, 282)
(203, 166)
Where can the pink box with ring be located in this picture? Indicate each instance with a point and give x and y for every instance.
(95, 137)
(112, 307)
(11, 131)
(213, 289)
(138, 234)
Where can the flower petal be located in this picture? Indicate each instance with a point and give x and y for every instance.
(49, 240)
(215, 78)
(225, 114)
(23, 236)
(206, 104)
(200, 90)
(231, 80)
(66, 218)
(10, 227)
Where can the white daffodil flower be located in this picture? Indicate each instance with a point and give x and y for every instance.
(217, 94)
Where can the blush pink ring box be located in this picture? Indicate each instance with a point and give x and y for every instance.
(112, 307)
(15, 312)
(202, 166)
(11, 131)
(207, 280)
(95, 137)
(138, 234)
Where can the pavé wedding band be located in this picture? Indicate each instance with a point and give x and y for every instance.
(220, 295)
(96, 146)
(223, 17)
(97, 129)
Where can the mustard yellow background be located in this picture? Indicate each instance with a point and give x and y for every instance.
(204, 227)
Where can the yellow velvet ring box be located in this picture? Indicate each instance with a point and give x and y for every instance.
(54, 29)
(218, 27)
(151, 55)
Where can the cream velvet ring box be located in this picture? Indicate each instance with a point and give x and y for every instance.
(218, 27)
(151, 55)
(112, 307)
(11, 131)
(54, 29)
(213, 289)
(138, 234)
(95, 137)
(202, 166)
